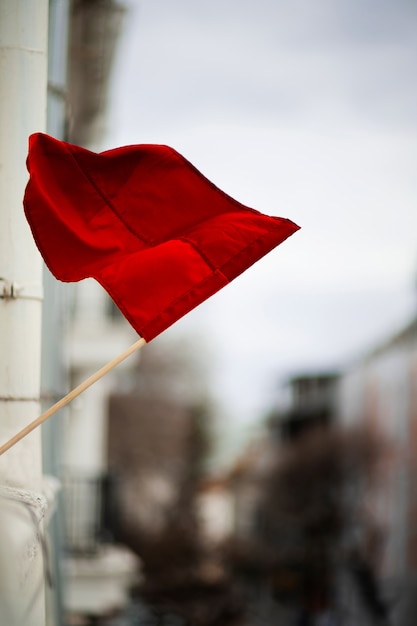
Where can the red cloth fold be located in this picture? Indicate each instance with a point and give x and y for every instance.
(145, 223)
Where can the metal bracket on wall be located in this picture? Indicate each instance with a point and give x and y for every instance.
(10, 290)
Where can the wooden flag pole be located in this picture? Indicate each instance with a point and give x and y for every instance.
(71, 395)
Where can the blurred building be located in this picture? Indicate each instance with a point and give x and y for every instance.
(380, 390)
(311, 403)
(375, 396)
(275, 491)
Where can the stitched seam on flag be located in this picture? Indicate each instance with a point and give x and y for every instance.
(172, 304)
(142, 328)
(104, 198)
(216, 271)
(199, 252)
(271, 245)
(216, 274)
(244, 250)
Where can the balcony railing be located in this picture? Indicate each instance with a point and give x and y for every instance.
(89, 507)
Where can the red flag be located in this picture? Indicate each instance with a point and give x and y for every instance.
(144, 222)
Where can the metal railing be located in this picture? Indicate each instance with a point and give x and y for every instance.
(89, 512)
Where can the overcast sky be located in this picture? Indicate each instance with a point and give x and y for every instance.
(304, 109)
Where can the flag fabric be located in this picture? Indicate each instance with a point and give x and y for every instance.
(145, 223)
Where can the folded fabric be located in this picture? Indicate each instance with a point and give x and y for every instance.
(145, 223)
